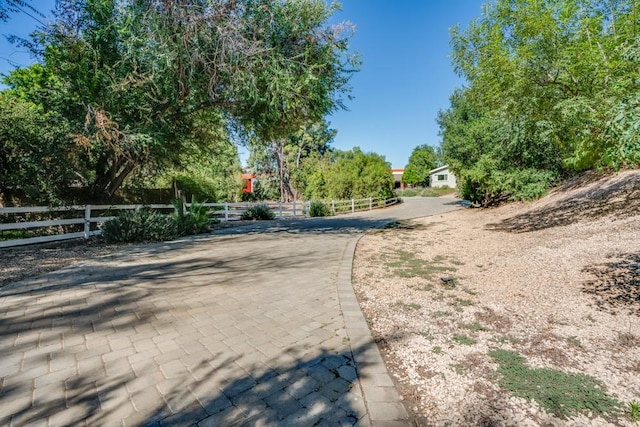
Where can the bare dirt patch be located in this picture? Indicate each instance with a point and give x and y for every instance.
(31, 261)
(466, 304)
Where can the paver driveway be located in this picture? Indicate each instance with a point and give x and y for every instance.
(251, 326)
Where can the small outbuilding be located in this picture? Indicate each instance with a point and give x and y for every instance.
(442, 177)
(397, 178)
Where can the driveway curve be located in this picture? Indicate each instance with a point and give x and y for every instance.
(255, 325)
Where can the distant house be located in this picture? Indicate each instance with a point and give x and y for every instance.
(247, 180)
(397, 177)
(442, 177)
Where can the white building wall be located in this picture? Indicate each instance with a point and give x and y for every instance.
(442, 177)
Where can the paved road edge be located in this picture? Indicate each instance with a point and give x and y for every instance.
(381, 398)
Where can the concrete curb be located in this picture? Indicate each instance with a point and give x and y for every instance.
(381, 398)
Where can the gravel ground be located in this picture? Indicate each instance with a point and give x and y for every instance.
(557, 281)
(30, 261)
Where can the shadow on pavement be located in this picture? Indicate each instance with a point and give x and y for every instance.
(331, 225)
(310, 390)
(103, 341)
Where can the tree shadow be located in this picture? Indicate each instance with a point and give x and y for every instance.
(619, 197)
(311, 390)
(105, 340)
(300, 390)
(120, 293)
(616, 285)
(330, 225)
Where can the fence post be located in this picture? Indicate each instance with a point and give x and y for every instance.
(308, 208)
(333, 207)
(353, 205)
(370, 203)
(294, 208)
(226, 211)
(280, 209)
(87, 221)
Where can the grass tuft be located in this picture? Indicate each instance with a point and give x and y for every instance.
(559, 393)
(475, 326)
(407, 265)
(633, 411)
(463, 339)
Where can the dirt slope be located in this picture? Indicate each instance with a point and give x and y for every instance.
(556, 281)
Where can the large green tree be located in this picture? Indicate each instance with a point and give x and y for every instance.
(284, 165)
(36, 156)
(342, 175)
(421, 161)
(137, 76)
(554, 81)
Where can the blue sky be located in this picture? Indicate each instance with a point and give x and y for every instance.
(406, 76)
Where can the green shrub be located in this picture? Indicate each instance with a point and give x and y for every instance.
(190, 221)
(143, 225)
(259, 212)
(318, 209)
(493, 186)
(202, 188)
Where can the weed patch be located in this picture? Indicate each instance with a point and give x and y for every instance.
(411, 306)
(426, 335)
(633, 411)
(459, 369)
(475, 326)
(407, 265)
(461, 302)
(439, 313)
(558, 393)
(463, 339)
(574, 342)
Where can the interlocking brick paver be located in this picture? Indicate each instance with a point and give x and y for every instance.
(335, 388)
(55, 377)
(227, 417)
(379, 380)
(173, 369)
(283, 404)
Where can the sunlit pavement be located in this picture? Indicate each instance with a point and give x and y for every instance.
(256, 325)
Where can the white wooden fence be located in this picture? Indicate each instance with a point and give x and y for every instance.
(83, 215)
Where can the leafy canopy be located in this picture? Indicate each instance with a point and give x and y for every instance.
(552, 91)
(137, 82)
(421, 161)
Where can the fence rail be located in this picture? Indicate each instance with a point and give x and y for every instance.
(82, 215)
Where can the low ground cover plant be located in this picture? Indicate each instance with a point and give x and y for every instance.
(147, 225)
(142, 225)
(559, 393)
(317, 208)
(259, 212)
